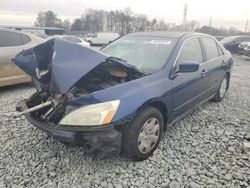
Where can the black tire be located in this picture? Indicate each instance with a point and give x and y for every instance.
(90, 43)
(130, 134)
(218, 97)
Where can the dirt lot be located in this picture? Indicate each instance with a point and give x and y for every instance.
(208, 148)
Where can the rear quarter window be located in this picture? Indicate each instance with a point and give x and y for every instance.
(25, 39)
(211, 48)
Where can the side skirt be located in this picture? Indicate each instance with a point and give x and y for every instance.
(189, 111)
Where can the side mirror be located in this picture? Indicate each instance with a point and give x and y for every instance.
(188, 66)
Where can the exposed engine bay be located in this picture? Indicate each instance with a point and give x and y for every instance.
(105, 75)
(61, 75)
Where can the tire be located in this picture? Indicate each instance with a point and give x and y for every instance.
(90, 42)
(139, 140)
(220, 94)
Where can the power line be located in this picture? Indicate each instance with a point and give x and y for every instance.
(246, 26)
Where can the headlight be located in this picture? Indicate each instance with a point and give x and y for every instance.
(96, 114)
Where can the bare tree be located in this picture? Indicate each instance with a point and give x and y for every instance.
(121, 21)
(47, 19)
(77, 25)
(50, 19)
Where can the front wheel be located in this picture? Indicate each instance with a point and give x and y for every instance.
(142, 137)
(220, 94)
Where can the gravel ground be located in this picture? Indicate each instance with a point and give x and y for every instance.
(208, 148)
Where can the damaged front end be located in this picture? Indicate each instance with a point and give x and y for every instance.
(64, 72)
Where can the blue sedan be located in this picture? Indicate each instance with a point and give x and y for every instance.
(119, 100)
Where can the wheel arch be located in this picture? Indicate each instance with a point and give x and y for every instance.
(90, 42)
(159, 105)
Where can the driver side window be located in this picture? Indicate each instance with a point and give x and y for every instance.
(191, 51)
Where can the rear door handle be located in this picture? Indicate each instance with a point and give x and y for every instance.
(203, 73)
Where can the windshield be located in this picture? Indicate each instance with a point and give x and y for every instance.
(228, 39)
(147, 54)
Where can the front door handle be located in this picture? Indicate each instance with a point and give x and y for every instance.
(204, 73)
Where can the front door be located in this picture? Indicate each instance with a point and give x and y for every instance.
(189, 88)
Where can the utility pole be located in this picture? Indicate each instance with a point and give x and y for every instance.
(210, 21)
(185, 15)
(246, 26)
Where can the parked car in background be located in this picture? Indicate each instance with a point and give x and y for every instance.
(101, 38)
(242, 46)
(246, 50)
(11, 43)
(71, 38)
(232, 43)
(120, 100)
(219, 38)
(41, 35)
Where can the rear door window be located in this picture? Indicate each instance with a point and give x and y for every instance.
(242, 39)
(211, 48)
(10, 39)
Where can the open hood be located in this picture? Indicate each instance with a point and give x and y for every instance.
(58, 64)
(64, 71)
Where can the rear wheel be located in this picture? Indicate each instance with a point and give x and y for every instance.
(220, 94)
(142, 137)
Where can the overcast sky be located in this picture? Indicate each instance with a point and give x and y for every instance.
(223, 12)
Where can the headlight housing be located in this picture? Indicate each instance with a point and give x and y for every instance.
(91, 115)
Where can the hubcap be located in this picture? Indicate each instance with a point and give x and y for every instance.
(223, 87)
(149, 135)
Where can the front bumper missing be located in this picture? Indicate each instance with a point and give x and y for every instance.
(101, 142)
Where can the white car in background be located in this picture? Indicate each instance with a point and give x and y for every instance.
(11, 43)
(243, 45)
(71, 38)
(246, 50)
(101, 38)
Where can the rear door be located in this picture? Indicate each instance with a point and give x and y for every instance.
(189, 88)
(215, 61)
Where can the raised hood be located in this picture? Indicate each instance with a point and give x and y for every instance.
(58, 64)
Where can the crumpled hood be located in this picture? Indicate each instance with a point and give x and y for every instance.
(57, 63)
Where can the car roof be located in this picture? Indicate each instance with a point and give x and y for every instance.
(17, 31)
(61, 36)
(166, 34)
